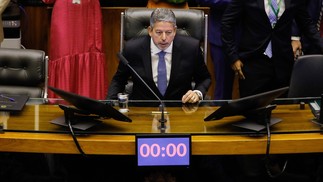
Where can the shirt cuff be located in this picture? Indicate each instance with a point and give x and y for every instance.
(296, 38)
(199, 93)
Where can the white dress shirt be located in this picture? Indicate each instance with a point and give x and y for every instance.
(168, 59)
(281, 4)
(154, 60)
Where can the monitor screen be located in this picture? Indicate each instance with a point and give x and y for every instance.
(163, 150)
(91, 106)
(246, 104)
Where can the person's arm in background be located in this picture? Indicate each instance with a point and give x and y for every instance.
(230, 20)
(296, 40)
(308, 28)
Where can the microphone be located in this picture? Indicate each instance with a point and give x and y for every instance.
(162, 106)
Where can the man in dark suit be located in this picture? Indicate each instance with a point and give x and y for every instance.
(184, 63)
(257, 70)
(263, 56)
(314, 9)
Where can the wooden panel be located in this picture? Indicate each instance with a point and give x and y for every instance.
(125, 144)
(111, 38)
(35, 24)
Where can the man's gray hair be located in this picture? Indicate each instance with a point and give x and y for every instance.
(162, 14)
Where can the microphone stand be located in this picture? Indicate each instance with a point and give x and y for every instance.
(162, 119)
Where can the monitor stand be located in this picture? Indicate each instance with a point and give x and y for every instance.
(79, 119)
(318, 112)
(257, 120)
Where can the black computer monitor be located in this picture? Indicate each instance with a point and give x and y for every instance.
(91, 106)
(246, 106)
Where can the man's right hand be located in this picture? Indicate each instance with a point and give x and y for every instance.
(237, 68)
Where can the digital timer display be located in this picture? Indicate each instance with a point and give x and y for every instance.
(163, 151)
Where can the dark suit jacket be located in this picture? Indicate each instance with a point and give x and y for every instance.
(313, 8)
(256, 32)
(187, 66)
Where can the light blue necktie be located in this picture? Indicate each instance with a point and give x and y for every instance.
(162, 76)
(273, 20)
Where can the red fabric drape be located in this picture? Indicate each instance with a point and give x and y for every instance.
(76, 60)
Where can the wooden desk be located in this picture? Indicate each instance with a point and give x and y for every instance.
(31, 131)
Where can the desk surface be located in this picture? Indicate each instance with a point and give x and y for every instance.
(31, 131)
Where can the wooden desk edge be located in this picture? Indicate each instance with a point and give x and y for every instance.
(125, 144)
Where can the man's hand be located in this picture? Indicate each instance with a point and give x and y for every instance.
(190, 97)
(297, 48)
(237, 68)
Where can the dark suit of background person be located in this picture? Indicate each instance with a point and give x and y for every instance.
(222, 70)
(261, 73)
(313, 8)
(258, 72)
(187, 65)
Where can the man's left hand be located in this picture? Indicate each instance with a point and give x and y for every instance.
(190, 97)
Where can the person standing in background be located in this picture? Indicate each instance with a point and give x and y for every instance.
(259, 68)
(3, 6)
(263, 59)
(300, 42)
(223, 72)
(76, 60)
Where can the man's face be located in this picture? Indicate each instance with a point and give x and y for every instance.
(163, 34)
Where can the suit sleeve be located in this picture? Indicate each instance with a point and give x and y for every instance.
(202, 76)
(295, 30)
(308, 27)
(119, 81)
(230, 20)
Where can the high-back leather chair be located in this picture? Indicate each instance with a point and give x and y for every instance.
(190, 22)
(23, 71)
(307, 77)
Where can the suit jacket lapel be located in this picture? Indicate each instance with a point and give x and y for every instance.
(281, 19)
(176, 59)
(261, 4)
(287, 4)
(146, 58)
